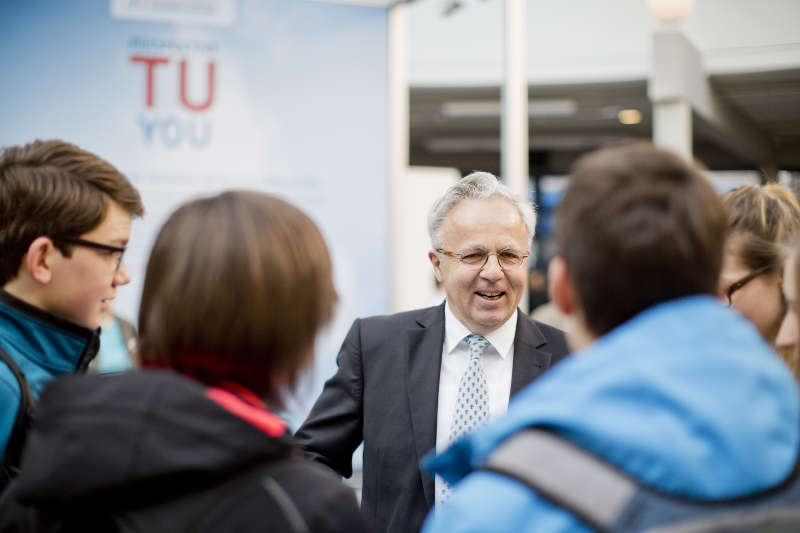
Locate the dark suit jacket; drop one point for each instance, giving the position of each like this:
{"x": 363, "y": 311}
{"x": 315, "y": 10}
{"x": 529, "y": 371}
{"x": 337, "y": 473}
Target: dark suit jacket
{"x": 386, "y": 394}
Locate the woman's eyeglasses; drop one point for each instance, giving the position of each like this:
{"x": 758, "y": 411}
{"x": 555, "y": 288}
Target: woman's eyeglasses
{"x": 738, "y": 284}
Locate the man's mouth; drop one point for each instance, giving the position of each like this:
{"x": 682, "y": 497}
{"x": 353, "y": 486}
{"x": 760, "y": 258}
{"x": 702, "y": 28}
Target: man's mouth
{"x": 490, "y": 295}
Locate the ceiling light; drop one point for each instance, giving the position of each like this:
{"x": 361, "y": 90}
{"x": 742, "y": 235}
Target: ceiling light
{"x": 463, "y": 144}
{"x": 537, "y": 108}
{"x": 471, "y": 108}
{"x": 670, "y": 10}
{"x": 629, "y": 116}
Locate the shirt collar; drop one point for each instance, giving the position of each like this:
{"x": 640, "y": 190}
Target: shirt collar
{"x": 501, "y": 338}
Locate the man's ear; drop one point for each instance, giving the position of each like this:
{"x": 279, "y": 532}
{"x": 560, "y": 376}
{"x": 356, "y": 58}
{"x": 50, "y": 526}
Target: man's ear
{"x": 562, "y": 290}
{"x": 434, "y": 259}
{"x": 39, "y": 258}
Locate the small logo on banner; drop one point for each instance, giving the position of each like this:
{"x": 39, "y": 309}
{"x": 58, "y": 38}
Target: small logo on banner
{"x": 178, "y": 81}
{"x": 211, "y": 12}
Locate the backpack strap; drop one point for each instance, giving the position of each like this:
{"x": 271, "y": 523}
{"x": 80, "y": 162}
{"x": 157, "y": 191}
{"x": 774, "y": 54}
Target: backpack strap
{"x": 607, "y": 499}
{"x": 206, "y": 508}
{"x": 9, "y": 467}
{"x": 565, "y": 474}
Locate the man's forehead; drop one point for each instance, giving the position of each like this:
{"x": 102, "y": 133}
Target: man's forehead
{"x": 495, "y": 210}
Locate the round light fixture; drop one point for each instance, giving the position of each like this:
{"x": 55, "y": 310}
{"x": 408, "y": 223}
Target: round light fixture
{"x": 629, "y": 116}
{"x": 670, "y": 10}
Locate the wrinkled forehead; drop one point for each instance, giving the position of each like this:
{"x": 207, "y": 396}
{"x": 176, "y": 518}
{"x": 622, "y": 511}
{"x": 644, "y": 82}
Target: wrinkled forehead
{"x": 495, "y": 210}
{"x": 490, "y": 224}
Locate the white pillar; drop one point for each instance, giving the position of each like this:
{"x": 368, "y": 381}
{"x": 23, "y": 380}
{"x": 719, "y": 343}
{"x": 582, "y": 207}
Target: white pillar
{"x": 398, "y": 143}
{"x": 679, "y": 89}
{"x": 675, "y": 69}
{"x": 514, "y": 143}
{"x": 672, "y": 126}
{"x": 514, "y": 120}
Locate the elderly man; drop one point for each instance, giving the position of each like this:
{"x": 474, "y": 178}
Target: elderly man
{"x": 65, "y": 219}
{"x": 412, "y": 382}
{"x": 669, "y": 388}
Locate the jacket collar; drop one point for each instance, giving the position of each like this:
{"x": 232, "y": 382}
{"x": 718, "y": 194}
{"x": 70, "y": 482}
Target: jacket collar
{"x": 52, "y": 342}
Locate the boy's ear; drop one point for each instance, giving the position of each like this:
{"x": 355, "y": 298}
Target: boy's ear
{"x": 562, "y": 290}
{"x": 38, "y": 260}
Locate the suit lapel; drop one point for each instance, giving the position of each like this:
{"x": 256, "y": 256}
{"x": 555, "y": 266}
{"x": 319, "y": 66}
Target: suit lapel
{"x": 422, "y": 376}
{"x": 530, "y": 361}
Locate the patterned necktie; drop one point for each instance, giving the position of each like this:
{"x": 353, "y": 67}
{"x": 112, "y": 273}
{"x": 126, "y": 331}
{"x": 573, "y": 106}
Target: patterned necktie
{"x": 472, "y": 402}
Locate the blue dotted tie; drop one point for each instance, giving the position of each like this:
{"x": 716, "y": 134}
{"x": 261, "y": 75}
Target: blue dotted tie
{"x": 472, "y": 402}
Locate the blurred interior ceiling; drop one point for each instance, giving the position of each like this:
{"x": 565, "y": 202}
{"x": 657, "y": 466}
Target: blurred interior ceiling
{"x": 460, "y": 126}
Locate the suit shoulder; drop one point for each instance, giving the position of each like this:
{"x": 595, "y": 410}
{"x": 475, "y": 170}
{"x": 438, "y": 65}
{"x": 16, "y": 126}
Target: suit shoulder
{"x": 556, "y": 338}
{"x": 402, "y": 319}
{"x": 549, "y": 331}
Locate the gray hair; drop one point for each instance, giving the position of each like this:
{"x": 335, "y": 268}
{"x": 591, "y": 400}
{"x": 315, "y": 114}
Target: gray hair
{"x": 475, "y": 186}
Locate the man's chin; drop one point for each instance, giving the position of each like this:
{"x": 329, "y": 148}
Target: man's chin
{"x": 484, "y": 323}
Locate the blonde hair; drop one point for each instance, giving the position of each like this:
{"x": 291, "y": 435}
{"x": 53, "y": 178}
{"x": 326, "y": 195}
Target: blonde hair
{"x": 761, "y": 222}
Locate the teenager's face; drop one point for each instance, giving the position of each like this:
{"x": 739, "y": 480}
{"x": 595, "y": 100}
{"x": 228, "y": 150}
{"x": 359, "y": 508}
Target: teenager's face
{"x": 84, "y": 284}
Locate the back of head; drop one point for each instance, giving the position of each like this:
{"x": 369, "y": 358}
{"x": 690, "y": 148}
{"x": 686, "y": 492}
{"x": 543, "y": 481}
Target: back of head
{"x": 237, "y": 287}
{"x": 53, "y": 188}
{"x": 761, "y": 221}
{"x": 637, "y": 227}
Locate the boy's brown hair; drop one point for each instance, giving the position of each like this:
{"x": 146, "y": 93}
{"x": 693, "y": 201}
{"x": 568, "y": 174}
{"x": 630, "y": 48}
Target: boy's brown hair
{"x": 54, "y": 189}
{"x": 638, "y": 226}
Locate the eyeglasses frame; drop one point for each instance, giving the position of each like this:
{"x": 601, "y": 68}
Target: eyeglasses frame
{"x": 740, "y": 283}
{"x": 77, "y": 241}
{"x": 459, "y": 256}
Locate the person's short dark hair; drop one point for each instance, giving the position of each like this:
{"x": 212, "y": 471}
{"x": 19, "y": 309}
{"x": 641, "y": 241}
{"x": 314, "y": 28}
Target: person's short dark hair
{"x": 638, "y": 226}
{"x": 236, "y": 289}
{"x": 55, "y": 189}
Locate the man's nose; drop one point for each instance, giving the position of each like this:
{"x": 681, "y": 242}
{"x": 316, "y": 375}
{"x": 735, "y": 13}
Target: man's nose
{"x": 491, "y": 269}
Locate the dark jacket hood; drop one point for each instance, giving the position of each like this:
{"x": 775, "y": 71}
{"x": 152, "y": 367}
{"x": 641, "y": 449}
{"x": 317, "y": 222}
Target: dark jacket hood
{"x": 150, "y": 434}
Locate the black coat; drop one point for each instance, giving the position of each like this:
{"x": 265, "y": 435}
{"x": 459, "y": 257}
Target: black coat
{"x": 386, "y": 393}
{"x": 154, "y": 448}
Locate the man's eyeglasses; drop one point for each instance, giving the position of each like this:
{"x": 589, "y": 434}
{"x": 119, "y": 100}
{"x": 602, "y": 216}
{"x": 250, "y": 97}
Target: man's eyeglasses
{"x": 476, "y": 259}
{"x": 97, "y": 246}
{"x": 738, "y": 284}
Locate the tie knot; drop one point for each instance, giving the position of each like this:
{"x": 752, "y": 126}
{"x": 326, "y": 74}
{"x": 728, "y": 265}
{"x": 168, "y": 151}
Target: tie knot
{"x": 476, "y": 344}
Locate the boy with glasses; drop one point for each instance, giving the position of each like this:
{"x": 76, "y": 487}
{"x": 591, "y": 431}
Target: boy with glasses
{"x": 65, "y": 220}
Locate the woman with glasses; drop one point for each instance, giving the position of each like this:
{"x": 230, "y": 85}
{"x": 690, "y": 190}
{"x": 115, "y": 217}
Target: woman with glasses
{"x": 237, "y": 287}
{"x": 761, "y": 221}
